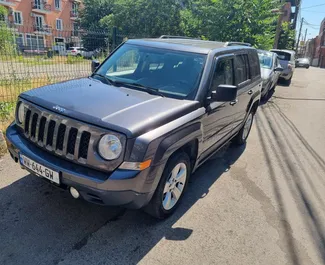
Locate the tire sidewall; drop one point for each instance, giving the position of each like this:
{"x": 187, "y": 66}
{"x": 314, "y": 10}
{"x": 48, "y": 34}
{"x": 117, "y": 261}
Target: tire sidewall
{"x": 156, "y": 204}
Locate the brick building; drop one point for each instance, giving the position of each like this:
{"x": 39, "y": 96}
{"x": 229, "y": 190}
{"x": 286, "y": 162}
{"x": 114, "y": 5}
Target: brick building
{"x": 41, "y": 24}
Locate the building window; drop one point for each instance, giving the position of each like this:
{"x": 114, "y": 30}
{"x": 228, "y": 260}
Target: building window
{"x": 34, "y": 42}
{"x": 39, "y": 22}
{"x": 18, "y": 18}
{"x": 57, "y": 4}
{"x": 75, "y": 8}
{"x": 59, "y": 25}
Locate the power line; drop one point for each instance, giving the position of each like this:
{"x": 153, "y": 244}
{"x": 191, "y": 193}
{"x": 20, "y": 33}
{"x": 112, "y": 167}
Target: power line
{"x": 312, "y": 6}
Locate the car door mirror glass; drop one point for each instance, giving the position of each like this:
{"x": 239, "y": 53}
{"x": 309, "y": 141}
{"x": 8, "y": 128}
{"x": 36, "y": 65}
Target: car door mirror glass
{"x": 224, "y": 93}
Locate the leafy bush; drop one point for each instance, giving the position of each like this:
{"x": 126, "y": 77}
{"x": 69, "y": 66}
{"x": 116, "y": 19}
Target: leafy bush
{"x": 6, "y": 110}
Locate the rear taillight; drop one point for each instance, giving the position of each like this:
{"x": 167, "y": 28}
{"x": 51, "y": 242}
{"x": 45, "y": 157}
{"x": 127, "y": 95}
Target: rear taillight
{"x": 73, "y": 51}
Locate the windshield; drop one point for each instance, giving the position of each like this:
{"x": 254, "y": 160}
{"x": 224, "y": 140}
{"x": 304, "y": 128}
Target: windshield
{"x": 266, "y": 60}
{"x": 285, "y": 56}
{"x": 174, "y": 74}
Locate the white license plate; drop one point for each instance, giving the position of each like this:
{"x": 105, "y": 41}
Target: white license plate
{"x": 39, "y": 169}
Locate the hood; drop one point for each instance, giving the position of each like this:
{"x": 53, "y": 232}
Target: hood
{"x": 121, "y": 109}
{"x": 265, "y": 73}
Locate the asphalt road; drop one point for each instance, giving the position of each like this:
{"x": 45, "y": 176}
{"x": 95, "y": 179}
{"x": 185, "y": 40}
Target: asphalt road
{"x": 260, "y": 204}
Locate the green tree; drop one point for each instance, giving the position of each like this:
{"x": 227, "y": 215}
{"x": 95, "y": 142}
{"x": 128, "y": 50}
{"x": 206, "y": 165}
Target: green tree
{"x": 287, "y": 37}
{"x": 237, "y": 20}
{"x": 7, "y": 39}
{"x": 95, "y": 35}
{"x": 144, "y": 18}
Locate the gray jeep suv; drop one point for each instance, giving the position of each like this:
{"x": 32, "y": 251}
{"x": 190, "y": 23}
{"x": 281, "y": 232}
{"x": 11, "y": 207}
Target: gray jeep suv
{"x": 132, "y": 133}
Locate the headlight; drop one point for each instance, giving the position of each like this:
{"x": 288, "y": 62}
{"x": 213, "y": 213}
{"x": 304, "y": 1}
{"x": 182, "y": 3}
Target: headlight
{"x": 21, "y": 113}
{"x": 109, "y": 147}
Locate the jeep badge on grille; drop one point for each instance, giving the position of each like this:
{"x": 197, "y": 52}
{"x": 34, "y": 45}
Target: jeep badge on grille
{"x": 59, "y": 109}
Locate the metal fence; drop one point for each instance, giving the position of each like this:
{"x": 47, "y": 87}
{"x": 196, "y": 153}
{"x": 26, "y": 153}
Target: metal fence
{"x": 35, "y": 55}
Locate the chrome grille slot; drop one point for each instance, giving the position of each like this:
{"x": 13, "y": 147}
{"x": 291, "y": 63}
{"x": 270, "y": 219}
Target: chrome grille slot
{"x": 34, "y": 124}
{"x": 84, "y": 144}
{"x": 72, "y": 141}
{"x": 27, "y": 120}
{"x": 60, "y": 137}
{"x": 50, "y": 133}
{"x": 41, "y": 129}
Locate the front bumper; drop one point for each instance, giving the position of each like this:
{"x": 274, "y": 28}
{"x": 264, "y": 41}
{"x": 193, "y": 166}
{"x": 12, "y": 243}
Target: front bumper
{"x": 128, "y": 188}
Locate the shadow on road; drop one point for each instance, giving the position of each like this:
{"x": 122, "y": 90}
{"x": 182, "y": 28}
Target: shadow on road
{"x": 293, "y": 153}
{"x": 41, "y": 224}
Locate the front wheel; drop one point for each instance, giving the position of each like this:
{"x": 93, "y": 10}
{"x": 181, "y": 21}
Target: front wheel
{"x": 171, "y": 187}
{"x": 242, "y": 135}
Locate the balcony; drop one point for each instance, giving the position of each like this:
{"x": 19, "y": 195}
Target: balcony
{"x": 7, "y": 3}
{"x": 42, "y": 29}
{"x": 42, "y": 8}
{"x": 74, "y": 15}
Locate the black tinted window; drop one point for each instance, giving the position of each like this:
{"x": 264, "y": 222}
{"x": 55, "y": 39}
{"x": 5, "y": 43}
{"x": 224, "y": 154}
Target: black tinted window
{"x": 242, "y": 68}
{"x": 254, "y": 65}
{"x": 224, "y": 73}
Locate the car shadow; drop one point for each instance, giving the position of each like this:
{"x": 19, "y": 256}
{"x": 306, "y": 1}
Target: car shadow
{"x": 41, "y": 224}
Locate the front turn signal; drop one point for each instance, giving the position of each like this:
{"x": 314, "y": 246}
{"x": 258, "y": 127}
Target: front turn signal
{"x": 136, "y": 165}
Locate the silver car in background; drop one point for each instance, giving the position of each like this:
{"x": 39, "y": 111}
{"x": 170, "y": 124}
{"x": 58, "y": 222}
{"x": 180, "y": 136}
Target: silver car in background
{"x": 287, "y": 61}
{"x": 303, "y": 62}
{"x": 270, "y": 70}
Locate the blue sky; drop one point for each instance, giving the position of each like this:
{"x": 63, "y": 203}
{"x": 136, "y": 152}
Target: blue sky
{"x": 313, "y": 16}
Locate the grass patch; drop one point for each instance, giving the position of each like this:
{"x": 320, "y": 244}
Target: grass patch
{"x": 74, "y": 59}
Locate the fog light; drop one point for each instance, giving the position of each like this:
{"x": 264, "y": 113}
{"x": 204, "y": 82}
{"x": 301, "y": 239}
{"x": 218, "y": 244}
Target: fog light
{"x": 74, "y": 193}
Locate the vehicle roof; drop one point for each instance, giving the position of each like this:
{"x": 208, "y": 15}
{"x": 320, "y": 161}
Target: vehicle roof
{"x": 287, "y": 51}
{"x": 189, "y": 45}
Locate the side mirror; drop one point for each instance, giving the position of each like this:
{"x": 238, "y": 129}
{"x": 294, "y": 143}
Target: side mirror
{"x": 94, "y": 65}
{"x": 224, "y": 93}
{"x": 278, "y": 69}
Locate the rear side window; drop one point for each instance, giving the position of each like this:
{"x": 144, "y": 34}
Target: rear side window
{"x": 224, "y": 73}
{"x": 283, "y": 55}
{"x": 242, "y": 68}
{"x": 254, "y": 65}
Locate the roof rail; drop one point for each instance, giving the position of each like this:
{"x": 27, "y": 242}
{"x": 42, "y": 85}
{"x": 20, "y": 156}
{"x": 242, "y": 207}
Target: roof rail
{"x": 176, "y": 37}
{"x": 234, "y": 43}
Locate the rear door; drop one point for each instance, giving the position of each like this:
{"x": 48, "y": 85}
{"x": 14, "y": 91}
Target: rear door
{"x": 245, "y": 87}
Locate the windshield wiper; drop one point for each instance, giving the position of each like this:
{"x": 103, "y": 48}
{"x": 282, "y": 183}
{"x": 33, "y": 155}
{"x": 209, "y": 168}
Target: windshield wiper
{"x": 110, "y": 81}
{"x": 150, "y": 90}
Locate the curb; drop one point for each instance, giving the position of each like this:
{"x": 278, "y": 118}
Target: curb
{"x": 3, "y": 145}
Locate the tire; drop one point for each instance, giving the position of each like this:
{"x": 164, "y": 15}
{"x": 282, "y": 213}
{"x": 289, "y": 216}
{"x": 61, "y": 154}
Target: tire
{"x": 159, "y": 207}
{"x": 243, "y": 134}
{"x": 307, "y": 67}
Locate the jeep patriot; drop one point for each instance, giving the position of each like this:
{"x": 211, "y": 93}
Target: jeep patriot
{"x": 133, "y": 132}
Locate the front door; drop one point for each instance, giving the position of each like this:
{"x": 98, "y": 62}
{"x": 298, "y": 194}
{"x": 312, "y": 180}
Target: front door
{"x": 218, "y": 121}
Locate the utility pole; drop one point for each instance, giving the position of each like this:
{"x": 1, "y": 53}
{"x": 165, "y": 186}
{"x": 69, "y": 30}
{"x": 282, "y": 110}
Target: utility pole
{"x": 305, "y": 44}
{"x": 305, "y": 35}
{"x": 297, "y": 44}
{"x": 278, "y": 29}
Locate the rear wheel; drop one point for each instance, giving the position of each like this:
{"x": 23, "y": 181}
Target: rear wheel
{"x": 242, "y": 135}
{"x": 171, "y": 187}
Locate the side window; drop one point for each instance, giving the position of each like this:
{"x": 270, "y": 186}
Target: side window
{"x": 242, "y": 68}
{"x": 224, "y": 73}
{"x": 254, "y": 65}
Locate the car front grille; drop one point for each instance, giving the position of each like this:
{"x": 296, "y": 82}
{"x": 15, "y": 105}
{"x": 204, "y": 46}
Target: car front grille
{"x": 68, "y": 138}
{"x": 54, "y": 135}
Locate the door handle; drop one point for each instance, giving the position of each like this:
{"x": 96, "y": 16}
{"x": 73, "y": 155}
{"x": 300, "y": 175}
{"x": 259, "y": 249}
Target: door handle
{"x": 232, "y": 103}
{"x": 250, "y": 92}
